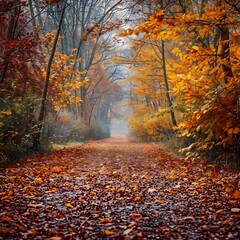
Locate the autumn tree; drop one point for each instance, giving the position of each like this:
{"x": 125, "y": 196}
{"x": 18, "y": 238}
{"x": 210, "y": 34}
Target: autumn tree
{"x": 149, "y": 64}
{"x": 20, "y": 84}
{"x": 80, "y": 26}
{"x": 206, "y": 76}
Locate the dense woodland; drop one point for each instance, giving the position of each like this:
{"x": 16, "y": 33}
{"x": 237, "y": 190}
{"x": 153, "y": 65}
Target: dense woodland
{"x": 65, "y": 65}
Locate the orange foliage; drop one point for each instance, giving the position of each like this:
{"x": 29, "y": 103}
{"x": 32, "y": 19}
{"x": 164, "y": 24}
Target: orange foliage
{"x": 205, "y": 76}
{"x": 64, "y": 79}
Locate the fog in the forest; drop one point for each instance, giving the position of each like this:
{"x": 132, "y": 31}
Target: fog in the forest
{"x": 119, "y": 127}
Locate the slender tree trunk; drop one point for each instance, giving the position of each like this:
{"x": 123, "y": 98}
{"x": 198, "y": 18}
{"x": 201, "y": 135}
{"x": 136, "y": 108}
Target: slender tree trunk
{"x": 225, "y": 48}
{"x": 32, "y": 15}
{"x": 174, "y": 122}
{"x": 225, "y": 53}
{"x": 80, "y": 47}
{"x": 48, "y": 72}
{"x": 39, "y": 18}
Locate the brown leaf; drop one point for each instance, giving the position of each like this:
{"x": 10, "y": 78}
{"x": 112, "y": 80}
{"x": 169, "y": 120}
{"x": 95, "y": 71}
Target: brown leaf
{"x": 55, "y": 238}
{"x": 5, "y": 219}
{"x": 226, "y": 222}
{"x": 5, "y": 230}
{"x": 220, "y": 211}
{"x": 71, "y": 229}
{"x": 215, "y": 175}
{"x": 236, "y": 194}
{"x": 31, "y": 232}
{"x": 7, "y": 197}
{"x": 137, "y": 216}
{"x": 20, "y": 227}
{"x": 227, "y": 190}
{"x": 53, "y": 231}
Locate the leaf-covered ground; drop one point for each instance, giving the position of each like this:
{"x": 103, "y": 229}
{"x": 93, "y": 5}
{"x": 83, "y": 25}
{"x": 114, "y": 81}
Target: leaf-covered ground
{"x": 119, "y": 190}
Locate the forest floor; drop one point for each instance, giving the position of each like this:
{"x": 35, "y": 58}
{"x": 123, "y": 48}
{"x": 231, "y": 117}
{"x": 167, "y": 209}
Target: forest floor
{"x": 117, "y": 189}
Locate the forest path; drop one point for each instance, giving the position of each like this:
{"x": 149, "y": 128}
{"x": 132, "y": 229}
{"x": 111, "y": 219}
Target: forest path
{"x": 118, "y": 189}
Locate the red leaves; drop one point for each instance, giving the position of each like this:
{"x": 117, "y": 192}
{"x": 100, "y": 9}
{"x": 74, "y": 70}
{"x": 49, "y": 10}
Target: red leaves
{"x": 236, "y": 194}
{"x": 117, "y": 190}
{"x": 136, "y": 217}
{"x": 5, "y": 230}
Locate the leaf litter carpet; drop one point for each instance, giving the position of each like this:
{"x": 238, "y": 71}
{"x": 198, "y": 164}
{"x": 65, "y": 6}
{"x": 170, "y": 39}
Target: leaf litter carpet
{"x": 117, "y": 189}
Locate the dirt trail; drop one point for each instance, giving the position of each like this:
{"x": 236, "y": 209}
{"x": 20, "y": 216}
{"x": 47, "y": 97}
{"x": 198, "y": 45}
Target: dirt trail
{"x": 117, "y": 189}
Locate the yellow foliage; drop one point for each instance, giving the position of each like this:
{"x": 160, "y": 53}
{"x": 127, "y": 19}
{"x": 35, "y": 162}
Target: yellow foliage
{"x": 64, "y": 79}
{"x": 150, "y": 126}
{"x": 204, "y": 76}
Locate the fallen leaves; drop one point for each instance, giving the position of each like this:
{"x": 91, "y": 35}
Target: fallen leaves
{"x": 236, "y": 194}
{"x": 105, "y": 220}
{"x": 235, "y": 210}
{"x": 188, "y": 218}
{"x": 134, "y": 187}
{"x": 152, "y": 190}
{"x": 53, "y": 190}
{"x": 220, "y": 211}
{"x": 69, "y": 205}
{"x": 39, "y": 180}
{"x": 57, "y": 169}
{"x": 37, "y": 205}
{"x": 5, "y": 219}
{"x": 126, "y": 232}
{"x": 160, "y": 201}
{"x": 55, "y": 238}
{"x": 137, "y": 199}
{"x": 117, "y": 190}
{"x": 108, "y": 232}
{"x": 137, "y": 216}
{"x": 5, "y": 230}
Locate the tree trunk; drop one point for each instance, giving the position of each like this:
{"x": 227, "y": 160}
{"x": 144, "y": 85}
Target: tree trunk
{"x": 225, "y": 53}
{"x": 174, "y": 122}
{"x": 39, "y": 14}
{"x": 48, "y": 72}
